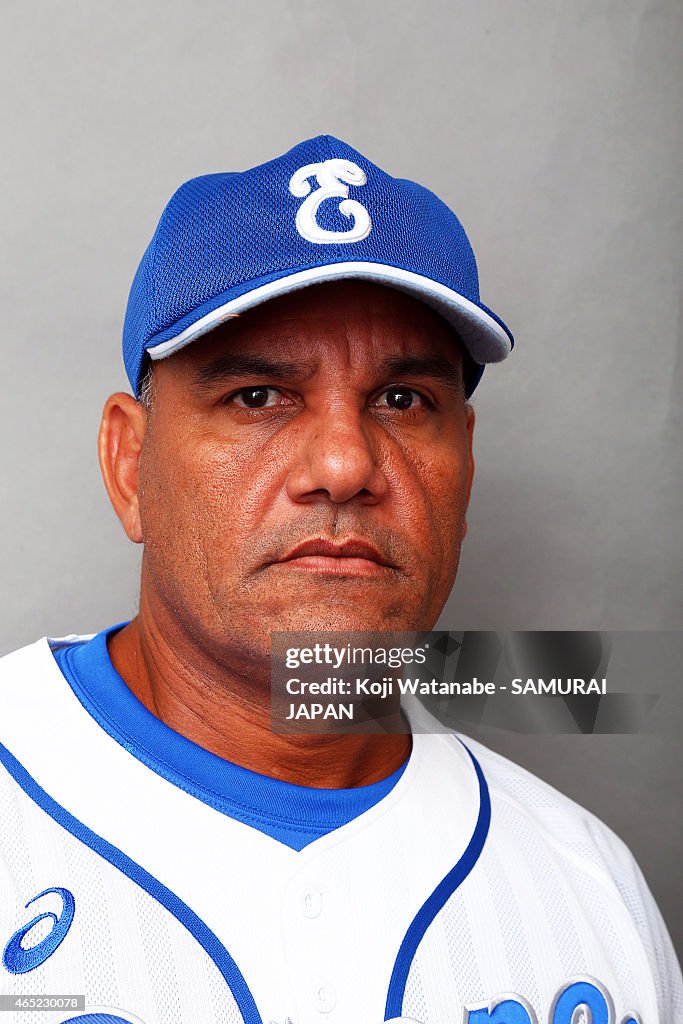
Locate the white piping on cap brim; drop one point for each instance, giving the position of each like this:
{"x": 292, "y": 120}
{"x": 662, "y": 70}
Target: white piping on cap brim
{"x": 484, "y": 338}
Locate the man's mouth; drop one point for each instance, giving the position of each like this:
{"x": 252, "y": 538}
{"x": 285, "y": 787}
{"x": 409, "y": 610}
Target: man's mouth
{"x": 349, "y": 557}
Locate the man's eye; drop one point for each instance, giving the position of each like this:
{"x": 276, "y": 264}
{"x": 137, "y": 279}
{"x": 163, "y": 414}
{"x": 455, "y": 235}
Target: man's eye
{"x": 401, "y": 398}
{"x": 257, "y": 398}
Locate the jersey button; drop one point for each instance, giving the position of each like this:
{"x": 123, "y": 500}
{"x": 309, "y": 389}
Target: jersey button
{"x": 312, "y": 903}
{"x": 325, "y": 998}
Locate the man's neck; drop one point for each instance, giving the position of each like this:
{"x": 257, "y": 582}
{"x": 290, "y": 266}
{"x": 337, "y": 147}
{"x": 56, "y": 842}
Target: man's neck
{"x": 228, "y": 714}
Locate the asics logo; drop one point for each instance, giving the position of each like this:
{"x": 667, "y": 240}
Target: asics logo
{"x": 333, "y": 178}
{"x": 19, "y": 958}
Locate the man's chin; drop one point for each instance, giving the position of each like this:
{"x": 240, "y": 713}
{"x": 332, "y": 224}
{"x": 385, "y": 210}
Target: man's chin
{"x": 340, "y": 617}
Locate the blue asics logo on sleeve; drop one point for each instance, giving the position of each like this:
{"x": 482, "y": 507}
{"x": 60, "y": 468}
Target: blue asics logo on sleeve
{"x": 17, "y": 958}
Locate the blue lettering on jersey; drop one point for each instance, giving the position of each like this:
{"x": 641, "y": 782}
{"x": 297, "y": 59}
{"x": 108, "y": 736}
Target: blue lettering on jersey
{"x": 582, "y": 995}
{"x": 16, "y": 958}
{"x": 504, "y": 1010}
{"x": 578, "y": 999}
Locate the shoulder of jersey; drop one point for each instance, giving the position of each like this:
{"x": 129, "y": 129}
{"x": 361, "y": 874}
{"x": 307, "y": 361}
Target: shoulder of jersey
{"x": 523, "y": 803}
{"x": 573, "y": 831}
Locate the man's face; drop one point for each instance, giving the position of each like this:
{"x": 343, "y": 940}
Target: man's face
{"x": 307, "y": 466}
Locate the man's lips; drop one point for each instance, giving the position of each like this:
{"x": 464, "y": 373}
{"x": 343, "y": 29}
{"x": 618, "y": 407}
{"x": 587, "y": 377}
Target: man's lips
{"x": 349, "y": 557}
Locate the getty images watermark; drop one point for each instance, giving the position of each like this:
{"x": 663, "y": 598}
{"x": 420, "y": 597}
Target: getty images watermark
{"x": 547, "y": 682}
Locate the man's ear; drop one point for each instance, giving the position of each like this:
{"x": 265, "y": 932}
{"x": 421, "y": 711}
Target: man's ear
{"x": 469, "y": 414}
{"x": 122, "y": 432}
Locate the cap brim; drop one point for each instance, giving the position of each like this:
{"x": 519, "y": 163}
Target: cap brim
{"x": 486, "y": 338}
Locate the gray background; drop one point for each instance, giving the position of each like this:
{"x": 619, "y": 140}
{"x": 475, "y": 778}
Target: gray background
{"x": 554, "y": 131}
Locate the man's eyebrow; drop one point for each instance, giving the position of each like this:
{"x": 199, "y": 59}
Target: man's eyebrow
{"x": 423, "y": 366}
{"x": 235, "y": 365}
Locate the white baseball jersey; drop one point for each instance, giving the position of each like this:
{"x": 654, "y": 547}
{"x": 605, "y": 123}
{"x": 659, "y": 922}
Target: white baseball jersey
{"x": 470, "y": 893}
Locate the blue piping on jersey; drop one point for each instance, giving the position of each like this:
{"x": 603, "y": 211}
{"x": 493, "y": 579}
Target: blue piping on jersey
{"x": 209, "y": 942}
{"x": 433, "y": 904}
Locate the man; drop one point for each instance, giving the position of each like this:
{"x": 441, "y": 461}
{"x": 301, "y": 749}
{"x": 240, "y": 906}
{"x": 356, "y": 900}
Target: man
{"x": 302, "y": 339}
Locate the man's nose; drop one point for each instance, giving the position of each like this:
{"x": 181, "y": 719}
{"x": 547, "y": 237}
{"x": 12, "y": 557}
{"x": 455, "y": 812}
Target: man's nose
{"x": 339, "y": 460}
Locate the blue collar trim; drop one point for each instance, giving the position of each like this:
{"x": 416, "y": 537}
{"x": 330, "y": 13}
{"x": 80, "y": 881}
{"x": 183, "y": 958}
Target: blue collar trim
{"x": 295, "y": 815}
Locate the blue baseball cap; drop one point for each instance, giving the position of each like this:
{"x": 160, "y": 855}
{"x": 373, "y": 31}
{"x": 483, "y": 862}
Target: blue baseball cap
{"x": 321, "y": 212}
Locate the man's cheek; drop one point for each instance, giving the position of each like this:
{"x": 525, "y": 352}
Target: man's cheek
{"x": 444, "y": 487}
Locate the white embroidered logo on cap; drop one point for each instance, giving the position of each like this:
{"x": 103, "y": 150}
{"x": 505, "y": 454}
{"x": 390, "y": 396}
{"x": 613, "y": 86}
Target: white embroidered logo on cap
{"x": 333, "y": 178}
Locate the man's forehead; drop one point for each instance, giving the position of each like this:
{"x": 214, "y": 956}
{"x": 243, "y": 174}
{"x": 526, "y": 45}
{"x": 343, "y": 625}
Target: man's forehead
{"x": 351, "y": 321}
